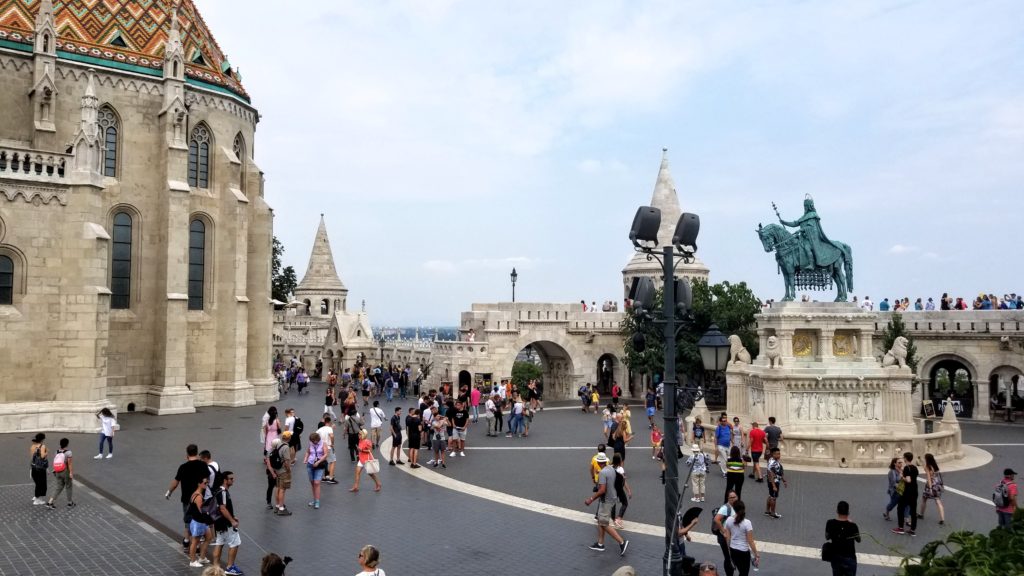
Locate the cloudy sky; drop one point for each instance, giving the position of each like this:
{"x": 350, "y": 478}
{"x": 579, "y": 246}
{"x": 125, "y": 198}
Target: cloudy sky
{"x": 448, "y": 141}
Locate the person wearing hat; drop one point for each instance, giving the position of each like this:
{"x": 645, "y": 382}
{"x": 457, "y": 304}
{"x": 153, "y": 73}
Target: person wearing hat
{"x": 699, "y": 472}
{"x": 605, "y": 483}
{"x": 283, "y": 475}
{"x": 1008, "y": 491}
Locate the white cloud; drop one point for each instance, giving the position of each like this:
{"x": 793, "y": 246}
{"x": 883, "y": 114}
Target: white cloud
{"x": 902, "y": 249}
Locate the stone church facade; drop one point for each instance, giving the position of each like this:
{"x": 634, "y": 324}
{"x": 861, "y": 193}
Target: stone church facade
{"x": 134, "y": 237}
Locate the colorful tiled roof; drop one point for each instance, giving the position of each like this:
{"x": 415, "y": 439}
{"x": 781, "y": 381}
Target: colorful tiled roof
{"x": 130, "y": 34}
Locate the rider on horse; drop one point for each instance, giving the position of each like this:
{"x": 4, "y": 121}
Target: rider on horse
{"x": 817, "y": 249}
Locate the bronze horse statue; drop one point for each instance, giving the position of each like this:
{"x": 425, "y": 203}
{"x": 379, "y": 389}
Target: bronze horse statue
{"x": 807, "y": 264}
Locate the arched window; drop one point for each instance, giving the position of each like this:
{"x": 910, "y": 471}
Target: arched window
{"x": 239, "y": 148}
{"x": 109, "y": 126}
{"x": 324, "y": 307}
{"x": 6, "y": 280}
{"x": 199, "y": 157}
{"x": 121, "y": 263}
{"x": 196, "y": 264}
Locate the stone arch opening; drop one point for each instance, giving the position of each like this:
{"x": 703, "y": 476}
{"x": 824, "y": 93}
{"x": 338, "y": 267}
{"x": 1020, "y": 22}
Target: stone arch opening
{"x": 465, "y": 379}
{"x": 952, "y": 378}
{"x": 556, "y": 368}
{"x": 607, "y": 366}
{"x": 1006, "y": 383}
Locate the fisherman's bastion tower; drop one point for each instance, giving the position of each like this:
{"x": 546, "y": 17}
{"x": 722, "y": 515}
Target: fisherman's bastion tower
{"x": 135, "y": 243}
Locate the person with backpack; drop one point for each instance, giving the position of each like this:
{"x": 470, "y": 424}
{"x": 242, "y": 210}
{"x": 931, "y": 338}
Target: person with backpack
{"x": 605, "y": 484}
{"x": 1005, "y": 498}
{"x": 698, "y": 473}
{"x": 39, "y": 464}
{"x": 280, "y": 461}
{"x": 225, "y": 525}
{"x": 62, "y": 473}
{"x": 188, "y": 476}
{"x": 199, "y": 525}
{"x": 908, "y": 500}
{"x": 622, "y": 491}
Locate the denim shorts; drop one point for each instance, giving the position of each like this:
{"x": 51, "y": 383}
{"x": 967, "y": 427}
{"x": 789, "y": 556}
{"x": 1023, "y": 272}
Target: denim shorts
{"x": 315, "y": 474}
{"x": 197, "y": 529}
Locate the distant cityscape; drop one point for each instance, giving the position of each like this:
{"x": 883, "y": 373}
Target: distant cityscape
{"x": 410, "y": 332}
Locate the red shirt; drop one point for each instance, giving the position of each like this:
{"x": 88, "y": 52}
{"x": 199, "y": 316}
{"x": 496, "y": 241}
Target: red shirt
{"x": 757, "y": 440}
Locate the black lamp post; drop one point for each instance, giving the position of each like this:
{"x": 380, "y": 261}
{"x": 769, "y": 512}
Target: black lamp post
{"x": 381, "y": 342}
{"x": 675, "y": 300}
{"x": 514, "y": 276}
{"x": 714, "y": 355}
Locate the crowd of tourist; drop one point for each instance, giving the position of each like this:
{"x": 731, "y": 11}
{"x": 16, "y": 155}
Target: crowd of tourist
{"x": 1012, "y": 301}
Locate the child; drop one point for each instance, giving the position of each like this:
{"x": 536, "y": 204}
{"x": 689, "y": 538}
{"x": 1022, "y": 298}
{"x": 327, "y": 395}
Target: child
{"x": 595, "y": 400}
{"x": 698, "y": 432}
{"x": 606, "y": 418}
{"x": 655, "y": 441}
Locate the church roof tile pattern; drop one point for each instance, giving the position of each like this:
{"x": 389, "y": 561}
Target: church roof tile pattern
{"x": 125, "y": 34}
{"x": 321, "y": 275}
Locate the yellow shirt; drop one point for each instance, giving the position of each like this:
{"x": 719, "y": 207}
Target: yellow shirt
{"x": 595, "y": 469}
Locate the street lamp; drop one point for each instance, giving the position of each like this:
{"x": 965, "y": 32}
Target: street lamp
{"x": 381, "y": 342}
{"x": 514, "y": 276}
{"x": 676, "y": 299}
{"x": 714, "y": 354}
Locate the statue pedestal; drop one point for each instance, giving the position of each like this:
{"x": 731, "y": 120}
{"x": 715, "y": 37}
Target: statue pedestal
{"x": 836, "y": 404}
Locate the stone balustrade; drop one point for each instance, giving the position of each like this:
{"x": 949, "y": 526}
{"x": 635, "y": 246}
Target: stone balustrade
{"x": 33, "y": 165}
{"x": 956, "y": 321}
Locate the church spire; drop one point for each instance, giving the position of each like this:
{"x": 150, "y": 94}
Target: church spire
{"x": 321, "y": 275}
{"x": 666, "y": 200}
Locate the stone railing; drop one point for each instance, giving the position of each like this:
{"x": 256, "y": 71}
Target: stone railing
{"x": 995, "y": 322}
{"x": 33, "y": 165}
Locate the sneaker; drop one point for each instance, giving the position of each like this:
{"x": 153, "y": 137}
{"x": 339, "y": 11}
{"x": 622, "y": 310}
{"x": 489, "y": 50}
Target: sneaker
{"x": 316, "y": 506}
{"x": 111, "y": 455}
{"x": 204, "y": 560}
{"x": 598, "y": 547}
{"x": 38, "y": 502}
{"x": 443, "y": 466}
{"x": 415, "y": 466}
{"x": 767, "y": 513}
{"x": 195, "y": 564}
{"x": 331, "y": 480}
{"x": 751, "y": 475}
{"x": 184, "y": 544}
{"x": 435, "y": 464}
{"x": 431, "y": 462}
{"x": 270, "y": 506}
{"x": 400, "y": 462}
{"x": 98, "y": 457}
{"x": 463, "y": 454}
{"x": 51, "y": 506}
{"x": 391, "y": 463}
{"x": 234, "y": 571}
{"x": 283, "y": 512}
{"x": 776, "y": 515}
{"x": 911, "y": 533}
{"x": 311, "y": 503}
{"x": 701, "y": 498}
{"x": 623, "y": 546}
{"x": 451, "y": 454}
{"x": 897, "y": 531}
{"x": 886, "y": 516}
{"x": 694, "y": 499}
{"x": 72, "y": 504}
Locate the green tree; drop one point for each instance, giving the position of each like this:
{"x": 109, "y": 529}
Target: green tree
{"x": 652, "y": 359}
{"x": 523, "y": 372}
{"x": 282, "y": 281}
{"x": 894, "y": 330}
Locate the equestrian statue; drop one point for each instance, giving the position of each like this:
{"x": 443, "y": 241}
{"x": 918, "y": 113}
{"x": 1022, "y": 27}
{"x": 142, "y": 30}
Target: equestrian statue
{"x": 807, "y": 259}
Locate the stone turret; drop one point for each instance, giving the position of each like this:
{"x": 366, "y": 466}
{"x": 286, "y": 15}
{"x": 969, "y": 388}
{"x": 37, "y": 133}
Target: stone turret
{"x": 666, "y": 199}
{"x": 321, "y": 290}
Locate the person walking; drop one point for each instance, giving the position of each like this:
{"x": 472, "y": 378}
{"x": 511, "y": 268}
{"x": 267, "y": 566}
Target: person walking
{"x": 396, "y": 438}
{"x": 63, "y": 473}
{"x": 369, "y": 561}
{"x": 757, "y": 440}
{"x": 698, "y": 432}
{"x": 271, "y": 429}
{"x": 1005, "y": 498}
{"x": 894, "y": 490}
{"x": 39, "y": 464}
{"x": 376, "y": 422}
{"x": 330, "y": 400}
{"x": 199, "y": 525}
{"x": 225, "y": 525}
{"x": 740, "y": 533}
{"x": 724, "y": 513}
{"x": 605, "y": 483}
{"x": 107, "y": 426}
{"x": 650, "y": 406}
{"x": 933, "y": 487}
{"x": 772, "y": 433}
{"x": 489, "y": 411}
{"x": 353, "y": 424}
{"x": 622, "y": 491}
{"x": 326, "y": 432}
{"x": 908, "y": 500}
{"x": 699, "y": 472}
{"x": 776, "y": 480}
{"x": 366, "y": 462}
{"x": 841, "y": 534}
{"x": 316, "y": 463}
{"x": 460, "y": 418}
{"x": 735, "y": 467}
{"x": 723, "y": 440}
{"x": 474, "y": 403}
{"x": 189, "y": 473}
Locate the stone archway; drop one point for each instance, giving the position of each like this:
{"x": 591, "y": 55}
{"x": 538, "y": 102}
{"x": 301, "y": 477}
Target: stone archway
{"x": 1005, "y": 382}
{"x": 558, "y": 378}
{"x": 954, "y": 377}
{"x": 465, "y": 379}
{"x": 605, "y": 373}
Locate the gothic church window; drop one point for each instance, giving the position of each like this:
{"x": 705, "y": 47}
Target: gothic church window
{"x": 6, "y": 280}
{"x": 109, "y": 126}
{"x": 199, "y": 156}
{"x": 196, "y": 264}
{"x": 324, "y": 307}
{"x": 121, "y": 263}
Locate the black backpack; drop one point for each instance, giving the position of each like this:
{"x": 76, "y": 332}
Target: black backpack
{"x": 276, "y": 461}
{"x": 298, "y": 427}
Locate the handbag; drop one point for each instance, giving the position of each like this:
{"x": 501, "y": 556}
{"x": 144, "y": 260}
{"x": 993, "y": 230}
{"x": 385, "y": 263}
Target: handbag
{"x": 827, "y": 553}
{"x": 372, "y": 466}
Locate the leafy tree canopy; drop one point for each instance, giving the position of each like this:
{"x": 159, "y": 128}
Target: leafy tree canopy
{"x": 523, "y": 372}
{"x": 999, "y": 552}
{"x": 282, "y": 281}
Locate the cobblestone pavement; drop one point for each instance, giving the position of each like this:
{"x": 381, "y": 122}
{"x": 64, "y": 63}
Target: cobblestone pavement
{"x": 418, "y": 524}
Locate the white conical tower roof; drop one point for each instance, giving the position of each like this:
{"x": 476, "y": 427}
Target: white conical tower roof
{"x": 321, "y": 275}
{"x": 665, "y": 199}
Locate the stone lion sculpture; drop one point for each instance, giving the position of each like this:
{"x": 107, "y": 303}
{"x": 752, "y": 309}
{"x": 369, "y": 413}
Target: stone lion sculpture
{"x": 897, "y": 355}
{"x": 772, "y": 352}
{"x": 737, "y": 353}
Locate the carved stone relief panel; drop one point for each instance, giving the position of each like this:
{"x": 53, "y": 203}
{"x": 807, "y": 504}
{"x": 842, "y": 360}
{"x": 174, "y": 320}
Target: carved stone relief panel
{"x": 804, "y": 343}
{"x": 844, "y": 344}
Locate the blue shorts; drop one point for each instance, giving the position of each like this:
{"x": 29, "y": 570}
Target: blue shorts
{"x": 197, "y": 529}
{"x": 650, "y": 411}
{"x": 315, "y": 474}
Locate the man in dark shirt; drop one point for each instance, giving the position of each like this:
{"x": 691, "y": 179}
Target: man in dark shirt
{"x": 841, "y": 533}
{"x": 396, "y": 438}
{"x": 460, "y": 423}
{"x": 189, "y": 474}
{"x": 772, "y": 433}
{"x": 908, "y": 501}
